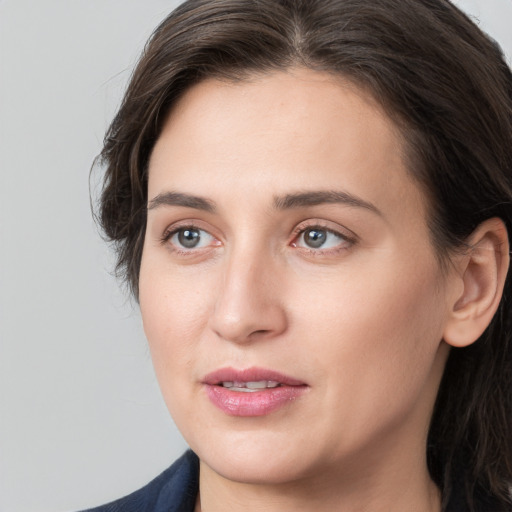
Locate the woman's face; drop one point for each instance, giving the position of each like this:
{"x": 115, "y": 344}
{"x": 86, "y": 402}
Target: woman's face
{"x": 289, "y": 290}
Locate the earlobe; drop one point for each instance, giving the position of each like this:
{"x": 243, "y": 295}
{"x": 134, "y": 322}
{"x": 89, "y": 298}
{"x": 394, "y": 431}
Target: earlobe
{"x": 482, "y": 272}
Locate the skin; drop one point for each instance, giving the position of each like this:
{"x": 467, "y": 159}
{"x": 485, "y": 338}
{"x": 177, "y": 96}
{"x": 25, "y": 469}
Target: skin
{"x": 359, "y": 320}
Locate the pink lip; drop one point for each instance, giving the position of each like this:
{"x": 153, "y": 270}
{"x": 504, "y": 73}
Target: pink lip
{"x": 256, "y": 403}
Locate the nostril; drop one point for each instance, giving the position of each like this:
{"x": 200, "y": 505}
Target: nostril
{"x": 261, "y": 331}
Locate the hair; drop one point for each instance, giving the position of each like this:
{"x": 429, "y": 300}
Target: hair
{"x": 449, "y": 90}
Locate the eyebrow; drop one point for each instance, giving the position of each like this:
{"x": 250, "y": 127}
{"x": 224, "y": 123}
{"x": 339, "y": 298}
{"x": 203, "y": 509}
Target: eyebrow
{"x": 313, "y": 198}
{"x": 180, "y": 199}
{"x": 286, "y": 202}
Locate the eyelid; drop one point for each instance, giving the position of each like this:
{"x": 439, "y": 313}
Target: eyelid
{"x": 348, "y": 236}
{"x": 192, "y": 224}
{"x": 330, "y": 226}
{"x": 186, "y": 223}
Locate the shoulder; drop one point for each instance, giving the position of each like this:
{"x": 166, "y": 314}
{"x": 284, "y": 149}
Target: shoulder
{"x": 175, "y": 490}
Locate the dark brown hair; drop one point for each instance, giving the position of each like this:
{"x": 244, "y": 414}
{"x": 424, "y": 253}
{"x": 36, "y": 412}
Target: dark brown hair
{"x": 447, "y": 87}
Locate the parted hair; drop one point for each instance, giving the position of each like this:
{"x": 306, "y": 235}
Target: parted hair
{"x": 447, "y": 87}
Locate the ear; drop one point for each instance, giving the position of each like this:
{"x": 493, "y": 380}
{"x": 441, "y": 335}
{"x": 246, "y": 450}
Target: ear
{"x": 481, "y": 274}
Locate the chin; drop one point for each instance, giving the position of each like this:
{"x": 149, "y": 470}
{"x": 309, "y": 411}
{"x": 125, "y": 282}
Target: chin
{"x": 253, "y": 469}
{"x": 257, "y": 457}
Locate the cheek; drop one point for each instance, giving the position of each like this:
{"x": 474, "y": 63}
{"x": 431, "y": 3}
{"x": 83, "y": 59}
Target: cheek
{"x": 374, "y": 303}
{"x": 379, "y": 335}
{"x": 174, "y": 310}
{"x": 172, "y": 317}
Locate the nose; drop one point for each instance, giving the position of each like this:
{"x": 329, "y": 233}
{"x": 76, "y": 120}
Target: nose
{"x": 249, "y": 303}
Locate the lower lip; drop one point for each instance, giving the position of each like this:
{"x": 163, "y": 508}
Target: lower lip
{"x": 255, "y": 403}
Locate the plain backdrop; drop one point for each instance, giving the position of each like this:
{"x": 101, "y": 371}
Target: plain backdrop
{"x": 81, "y": 417}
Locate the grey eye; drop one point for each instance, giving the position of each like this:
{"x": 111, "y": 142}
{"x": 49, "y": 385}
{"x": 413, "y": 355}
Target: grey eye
{"x": 189, "y": 238}
{"x": 315, "y": 238}
{"x": 321, "y": 238}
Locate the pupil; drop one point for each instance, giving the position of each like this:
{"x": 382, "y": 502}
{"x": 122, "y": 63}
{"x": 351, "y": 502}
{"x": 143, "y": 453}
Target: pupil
{"x": 189, "y": 238}
{"x": 315, "y": 238}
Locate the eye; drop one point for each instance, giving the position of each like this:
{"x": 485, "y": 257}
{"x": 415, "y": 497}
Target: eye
{"x": 188, "y": 238}
{"x": 318, "y": 238}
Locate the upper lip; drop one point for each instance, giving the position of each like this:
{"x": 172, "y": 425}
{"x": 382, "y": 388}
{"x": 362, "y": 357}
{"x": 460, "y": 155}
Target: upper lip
{"x": 249, "y": 375}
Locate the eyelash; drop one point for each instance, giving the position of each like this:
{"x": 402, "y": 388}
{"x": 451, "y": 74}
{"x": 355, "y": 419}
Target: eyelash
{"x": 346, "y": 240}
{"x": 170, "y": 233}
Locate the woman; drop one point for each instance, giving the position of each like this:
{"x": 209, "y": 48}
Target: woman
{"x": 311, "y": 201}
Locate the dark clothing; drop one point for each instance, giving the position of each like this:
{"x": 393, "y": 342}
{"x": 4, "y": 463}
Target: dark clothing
{"x": 175, "y": 490}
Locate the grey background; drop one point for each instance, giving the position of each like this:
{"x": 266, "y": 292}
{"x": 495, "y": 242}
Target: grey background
{"x": 81, "y": 418}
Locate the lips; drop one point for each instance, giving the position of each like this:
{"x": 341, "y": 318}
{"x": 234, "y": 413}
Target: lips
{"x": 251, "y": 392}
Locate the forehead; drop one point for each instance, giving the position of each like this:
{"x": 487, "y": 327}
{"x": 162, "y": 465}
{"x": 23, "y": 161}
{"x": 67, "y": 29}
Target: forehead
{"x": 298, "y": 104}
{"x": 296, "y": 129}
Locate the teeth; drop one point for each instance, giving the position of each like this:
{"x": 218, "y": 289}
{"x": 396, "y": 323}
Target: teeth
{"x": 247, "y": 387}
{"x": 262, "y": 384}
